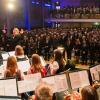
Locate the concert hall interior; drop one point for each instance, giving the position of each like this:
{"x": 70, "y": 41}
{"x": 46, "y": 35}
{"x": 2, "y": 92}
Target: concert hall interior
{"x": 49, "y": 49}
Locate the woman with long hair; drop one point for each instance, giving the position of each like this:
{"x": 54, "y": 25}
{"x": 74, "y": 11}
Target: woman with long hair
{"x": 58, "y": 63}
{"x": 12, "y": 69}
{"x": 37, "y": 66}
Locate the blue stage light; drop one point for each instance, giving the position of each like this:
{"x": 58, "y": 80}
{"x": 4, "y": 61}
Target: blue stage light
{"x": 47, "y": 5}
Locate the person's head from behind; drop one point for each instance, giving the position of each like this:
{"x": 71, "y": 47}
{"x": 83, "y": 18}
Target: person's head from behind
{"x": 19, "y": 50}
{"x": 58, "y": 55}
{"x": 36, "y": 59}
{"x": 12, "y": 64}
{"x": 89, "y": 93}
{"x": 43, "y": 92}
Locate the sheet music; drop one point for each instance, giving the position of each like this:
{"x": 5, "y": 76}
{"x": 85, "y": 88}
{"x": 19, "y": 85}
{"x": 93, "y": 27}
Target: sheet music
{"x": 2, "y": 88}
{"x": 1, "y": 69}
{"x": 5, "y": 56}
{"x": 51, "y": 82}
{"x": 29, "y": 83}
{"x": 61, "y": 82}
{"x": 8, "y": 87}
{"x": 4, "y": 64}
{"x": 98, "y": 67}
{"x": 9, "y": 99}
{"x": 94, "y": 73}
{"x": 22, "y": 86}
{"x": 12, "y": 53}
{"x": 75, "y": 80}
{"x": 32, "y": 76}
{"x": 58, "y": 82}
{"x": 84, "y": 78}
{"x": 24, "y": 65}
{"x": 79, "y": 79}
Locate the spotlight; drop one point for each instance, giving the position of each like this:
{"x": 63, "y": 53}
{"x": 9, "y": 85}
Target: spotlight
{"x": 10, "y": 6}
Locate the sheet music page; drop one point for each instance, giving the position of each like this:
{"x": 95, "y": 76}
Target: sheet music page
{"x": 61, "y": 82}
{"x": 5, "y": 56}
{"x": 22, "y": 85}
{"x": 2, "y": 89}
{"x": 12, "y": 53}
{"x": 94, "y": 73}
{"x": 75, "y": 80}
{"x": 42, "y": 61}
{"x": 84, "y": 78}
{"x": 9, "y": 99}
{"x": 26, "y": 86}
{"x": 4, "y": 64}
{"x": 1, "y": 69}
{"x": 29, "y": 83}
{"x": 51, "y": 82}
{"x": 98, "y": 67}
{"x": 10, "y": 87}
{"x": 36, "y": 76}
{"x": 24, "y": 65}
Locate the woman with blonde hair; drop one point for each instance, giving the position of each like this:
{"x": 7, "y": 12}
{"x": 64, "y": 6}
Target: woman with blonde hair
{"x": 12, "y": 69}
{"x": 37, "y": 66}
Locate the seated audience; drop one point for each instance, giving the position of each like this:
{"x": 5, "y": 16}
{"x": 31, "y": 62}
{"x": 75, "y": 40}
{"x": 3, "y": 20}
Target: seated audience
{"x": 43, "y": 92}
{"x": 37, "y": 66}
{"x": 12, "y": 69}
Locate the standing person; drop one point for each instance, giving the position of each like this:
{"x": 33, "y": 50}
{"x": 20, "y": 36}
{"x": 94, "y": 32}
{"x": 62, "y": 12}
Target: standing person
{"x": 84, "y": 51}
{"x": 16, "y": 37}
{"x": 36, "y": 66}
{"x": 68, "y": 48}
{"x": 77, "y": 48}
{"x": 12, "y": 69}
{"x": 92, "y": 52}
{"x": 13, "y": 40}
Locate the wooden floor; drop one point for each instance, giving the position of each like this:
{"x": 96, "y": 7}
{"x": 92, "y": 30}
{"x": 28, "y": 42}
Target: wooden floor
{"x": 82, "y": 66}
